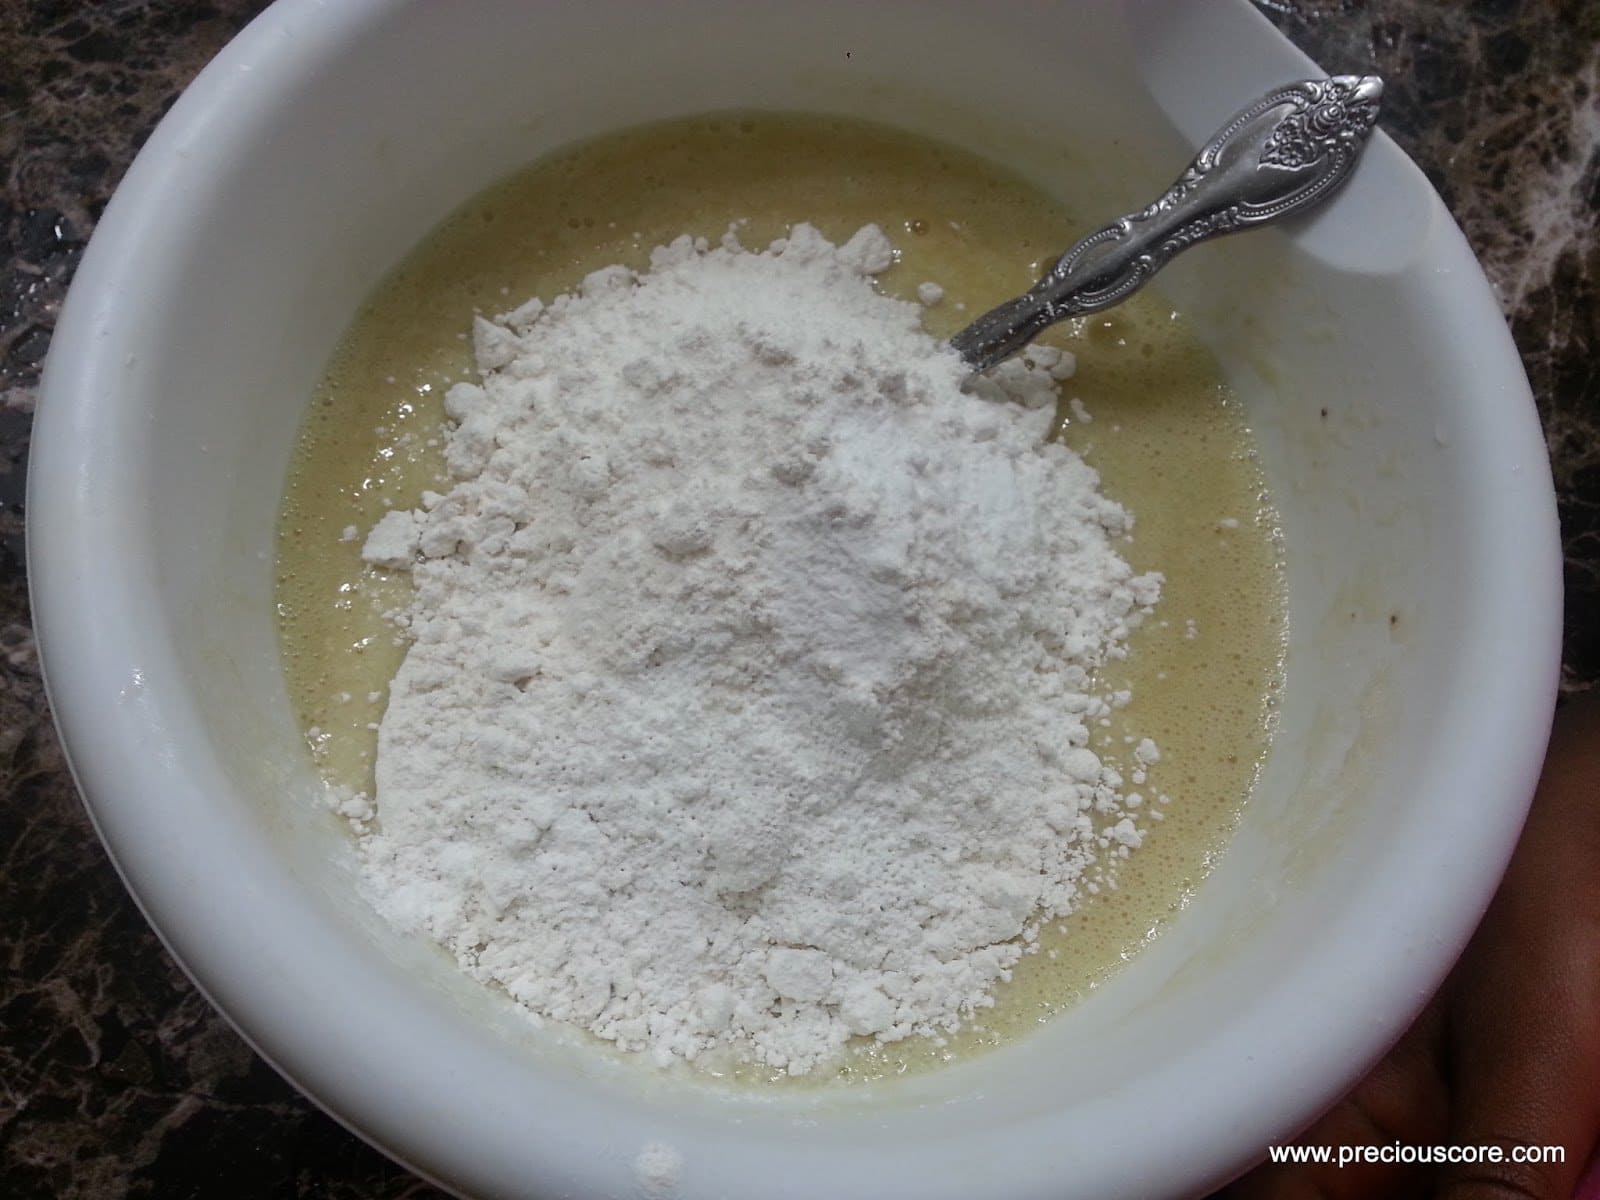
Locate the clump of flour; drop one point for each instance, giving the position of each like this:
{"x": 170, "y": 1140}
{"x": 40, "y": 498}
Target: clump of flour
{"x": 750, "y": 689}
{"x": 656, "y": 1169}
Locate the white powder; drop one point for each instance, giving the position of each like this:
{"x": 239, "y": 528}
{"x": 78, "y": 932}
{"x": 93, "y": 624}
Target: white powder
{"x": 656, "y": 1169}
{"x": 749, "y": 696}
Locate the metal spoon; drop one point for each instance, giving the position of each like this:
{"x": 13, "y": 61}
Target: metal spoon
{"x": 1282, "y": 155}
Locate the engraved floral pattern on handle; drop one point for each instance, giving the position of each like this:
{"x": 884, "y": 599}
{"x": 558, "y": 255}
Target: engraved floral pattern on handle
{"x": 1282, "y": 154}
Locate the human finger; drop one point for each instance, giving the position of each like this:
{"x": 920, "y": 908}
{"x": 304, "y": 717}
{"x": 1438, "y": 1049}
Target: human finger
{"x": 1403, "y": 1099}
{"x": 1525, "y": 1021}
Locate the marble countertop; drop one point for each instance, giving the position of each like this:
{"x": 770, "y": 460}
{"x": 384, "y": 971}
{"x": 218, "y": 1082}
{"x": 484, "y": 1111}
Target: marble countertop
{"x": 116, "y": 1077}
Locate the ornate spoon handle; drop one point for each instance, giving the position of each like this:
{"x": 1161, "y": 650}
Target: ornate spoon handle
{"x": 1283, "y": 154}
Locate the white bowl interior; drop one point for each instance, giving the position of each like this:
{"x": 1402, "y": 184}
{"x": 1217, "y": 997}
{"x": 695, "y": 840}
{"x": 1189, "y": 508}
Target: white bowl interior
{"x": 1396, "y": 431}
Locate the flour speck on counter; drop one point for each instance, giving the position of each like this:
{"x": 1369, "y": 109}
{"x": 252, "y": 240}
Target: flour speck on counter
{"x": 753, "y": 662}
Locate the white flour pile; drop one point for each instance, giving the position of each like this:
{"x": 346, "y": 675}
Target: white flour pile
{"x": 750, "y": 692}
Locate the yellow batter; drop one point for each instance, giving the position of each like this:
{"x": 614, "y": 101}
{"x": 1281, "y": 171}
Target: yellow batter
{"x": 1169, "y": 443}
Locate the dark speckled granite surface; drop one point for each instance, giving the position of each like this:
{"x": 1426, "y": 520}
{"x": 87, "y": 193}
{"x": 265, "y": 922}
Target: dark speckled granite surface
{"x": 116, "y": 1078}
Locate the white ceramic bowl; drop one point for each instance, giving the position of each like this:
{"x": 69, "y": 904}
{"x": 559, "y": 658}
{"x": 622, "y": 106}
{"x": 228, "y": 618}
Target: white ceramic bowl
{"x": 1397, "y": 432}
